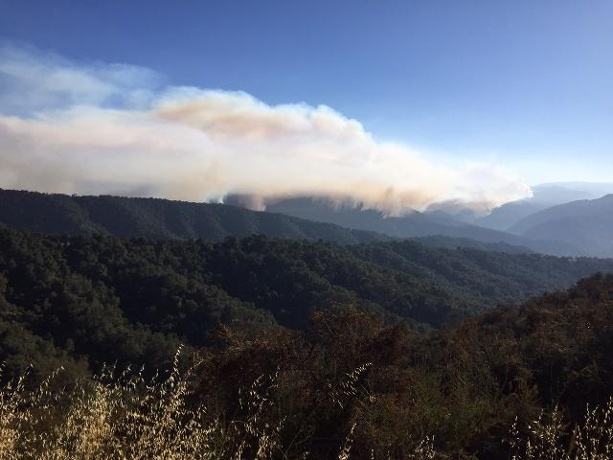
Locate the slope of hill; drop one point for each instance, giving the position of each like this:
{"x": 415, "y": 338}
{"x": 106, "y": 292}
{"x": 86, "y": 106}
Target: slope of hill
{"x": 105, "y": 299}
{"x": 544, "y": 196}
{"x": 587, "y": 224}
{"x": 348, "y": 374}
{"x": 464, "y": 386}
{"x": 413, "y": 225}
{"x": 507, "y": 215}
{"x": 56, "y": 214}
{"x": 440, "y": 241}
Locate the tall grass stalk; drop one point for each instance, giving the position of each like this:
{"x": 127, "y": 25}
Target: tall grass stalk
{"x": 550, "y": 438}
{"x": 122, "y": 415}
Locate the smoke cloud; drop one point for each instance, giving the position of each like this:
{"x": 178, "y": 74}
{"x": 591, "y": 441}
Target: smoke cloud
{"x": 91, "y": 128}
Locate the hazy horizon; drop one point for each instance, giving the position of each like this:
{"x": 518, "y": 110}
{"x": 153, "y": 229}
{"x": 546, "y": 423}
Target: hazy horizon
{"x": 399, "y": 106}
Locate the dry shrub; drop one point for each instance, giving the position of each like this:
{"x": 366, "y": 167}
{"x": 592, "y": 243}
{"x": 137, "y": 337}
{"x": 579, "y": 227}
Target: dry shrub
{"x": 124, "y": 416}
{"x": 112, "y": 416}
{"x": 550, "y": 438}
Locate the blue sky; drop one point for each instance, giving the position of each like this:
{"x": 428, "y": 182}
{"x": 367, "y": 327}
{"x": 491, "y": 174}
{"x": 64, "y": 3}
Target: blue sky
{"x": 524, "y": 86}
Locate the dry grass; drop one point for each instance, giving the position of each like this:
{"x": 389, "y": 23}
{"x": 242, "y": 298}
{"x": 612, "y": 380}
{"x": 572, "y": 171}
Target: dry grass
{"x": 549, "y": 437}
{"x": 114, "y": 416}
{"x": 125, "y": 416}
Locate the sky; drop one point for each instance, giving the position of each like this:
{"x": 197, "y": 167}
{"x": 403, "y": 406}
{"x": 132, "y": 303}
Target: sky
{"x": 396, "y": 104}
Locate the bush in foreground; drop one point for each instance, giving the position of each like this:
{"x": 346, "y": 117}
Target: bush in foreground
{"x": 126, "y": 417}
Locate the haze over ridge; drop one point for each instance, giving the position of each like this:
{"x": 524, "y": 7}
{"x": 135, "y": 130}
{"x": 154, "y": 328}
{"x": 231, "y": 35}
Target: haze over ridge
{"x": 93, "y": 127}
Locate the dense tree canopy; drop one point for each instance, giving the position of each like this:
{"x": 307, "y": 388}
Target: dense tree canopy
{"x": 393, "y": 341}
{"x": 99, "y": 299}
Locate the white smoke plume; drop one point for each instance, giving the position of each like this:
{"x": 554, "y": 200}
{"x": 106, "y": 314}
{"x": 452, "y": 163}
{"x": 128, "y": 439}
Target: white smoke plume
{"x": 96, "y": 128}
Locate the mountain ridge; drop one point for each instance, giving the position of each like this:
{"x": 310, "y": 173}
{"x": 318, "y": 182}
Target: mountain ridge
{"x": 58, "y": 214}
{"x": 413, "y": 225}
{"x": 587, "y": 224}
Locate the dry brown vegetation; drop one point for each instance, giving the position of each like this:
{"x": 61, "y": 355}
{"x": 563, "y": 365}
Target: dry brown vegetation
{"x": 511, "y": 384}
{"x": 550, "y": 438}
{"x": 126, "y": 417}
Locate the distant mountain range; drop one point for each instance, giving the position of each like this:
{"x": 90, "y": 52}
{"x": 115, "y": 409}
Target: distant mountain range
{"x": 413, "y": 225}
{"x": 587, "y": 224}
{"x": 544, "y": 196}
{"x": 56, "y": 214}
{"x": 578, "y": 228}
{"x": 561, "y": 219}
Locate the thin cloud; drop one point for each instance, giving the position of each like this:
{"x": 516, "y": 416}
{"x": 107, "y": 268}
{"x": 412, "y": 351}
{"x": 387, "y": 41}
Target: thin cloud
{"x": 95, "y": 128}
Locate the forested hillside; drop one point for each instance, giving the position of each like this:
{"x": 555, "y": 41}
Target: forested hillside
{"x": 90, "y": 300}
{"x": 585, "y": 223}
{"x": 416, "y": 224}
{"x": 463, "y": 389}
{"x": 513, "y": 383}
{"x": 56, "y": 214}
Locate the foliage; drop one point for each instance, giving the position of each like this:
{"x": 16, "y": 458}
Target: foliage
{"x": 127, "y": 416}
{"x": 351, "y": 384}
{"x": 56, "y": 214}
{"x": 464, "y": 387}
{"x": 549, "y": 438}
{"x": 303, "y": 349}
{"x": 83, "y": 301}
